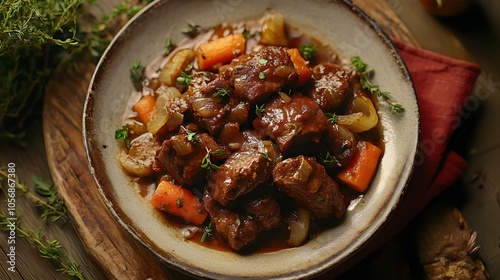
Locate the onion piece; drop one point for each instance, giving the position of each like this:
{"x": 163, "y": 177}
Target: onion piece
{"x": 167, "y": 103}
{"x": 364, "y": 118}
{"x": 273, "y": 31}
{"x": 299, "y": 227}
{"x": 172, "y": 70}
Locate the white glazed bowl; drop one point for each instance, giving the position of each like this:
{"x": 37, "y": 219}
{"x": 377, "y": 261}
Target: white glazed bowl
{"x": 337, "y": 23}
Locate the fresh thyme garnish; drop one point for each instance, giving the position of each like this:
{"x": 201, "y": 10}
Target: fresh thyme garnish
{"x": 168, "y": 46}
{"x": 137, "y": 74}
{"x": 259, "y": 110}
{"x": 48, "y": 249}
{"x": 266, "y": 156}
{"x": 307, "y": 51}
{"x": 184, "y": 78}
{"x": 365, "y": 76}
{"x": 207, "y": 232}
{"x": 207, "y": 164}
{"x": 219, "y": 152}
{"x": 191, "y": 135}
{"x": 122, "y": 134}
{"x": 262, "y": 61}
{"x": 262, "y": 76}
{"x": 191, "y": 30}
{"x": 332, "y": 118}
{"x": 221, "y": 93}
{"x": 329, "y": 158}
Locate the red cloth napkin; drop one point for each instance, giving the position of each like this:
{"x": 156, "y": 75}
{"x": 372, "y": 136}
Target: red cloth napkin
{"x": 442, "y": 85}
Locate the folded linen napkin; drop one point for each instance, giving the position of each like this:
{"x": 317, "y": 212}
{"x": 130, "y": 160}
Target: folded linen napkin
{"x": 442, "y": 85}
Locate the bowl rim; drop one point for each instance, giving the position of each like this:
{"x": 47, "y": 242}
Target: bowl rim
{"x": 122, "y": 219}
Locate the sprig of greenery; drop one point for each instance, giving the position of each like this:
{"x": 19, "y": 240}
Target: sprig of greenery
{"x": 207, "y": 232}
{"x": 184, "y": 78}
{"x": 365, "y": 75}
{"x": 53, "y": 206}
{"x": 191, "y": 136}
{"x": 221, "y": 93}
{"x": 122, "y": 134}
{"x": 137, "y": 74}
{"x": 207, "y": 164}
{"x": 48, "y": 249}
{"x": 332, "y": 118}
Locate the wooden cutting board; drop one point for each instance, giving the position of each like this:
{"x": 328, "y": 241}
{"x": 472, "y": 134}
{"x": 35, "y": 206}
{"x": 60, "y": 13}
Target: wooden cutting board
{"x": 119, "y": 255}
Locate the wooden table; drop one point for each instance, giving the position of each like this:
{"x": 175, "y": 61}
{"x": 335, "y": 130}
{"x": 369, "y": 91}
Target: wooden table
{"x": 55, "y": 150}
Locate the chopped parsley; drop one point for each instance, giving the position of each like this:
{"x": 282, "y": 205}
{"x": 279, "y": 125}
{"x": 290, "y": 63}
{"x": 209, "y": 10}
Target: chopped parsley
{"x": 308, "y": 51}
{"x": 168, "y": 46}
{"x": 262, "y": 76}
{"x": 184, "y": 78}
{"x": 332, "y": 118}
{"x": 207, "y": 164}
{"x": 329, "y": 158}
{"x": 207, "y": 232}
{"x": 191, "y": 136}
{"x": 122, "y": 134}
{"x": 259, "y": 110}
{"x": 221, "y": 93}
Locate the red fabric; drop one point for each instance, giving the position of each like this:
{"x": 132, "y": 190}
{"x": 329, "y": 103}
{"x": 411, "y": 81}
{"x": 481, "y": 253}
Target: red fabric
{"x": 442, "y": 85}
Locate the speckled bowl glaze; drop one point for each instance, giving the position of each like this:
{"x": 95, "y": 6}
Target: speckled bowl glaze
{"x": 337, "y": 23}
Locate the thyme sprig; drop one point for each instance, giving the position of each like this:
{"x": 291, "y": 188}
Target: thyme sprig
{"x": 52, "y": 206}
{"x": 365, "y": 75}
{"x": 48, "y": 249}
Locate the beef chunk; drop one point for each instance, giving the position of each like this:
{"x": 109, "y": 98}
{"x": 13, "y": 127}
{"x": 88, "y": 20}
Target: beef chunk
{"x": 307, "y": 182}
{"x": 264, "y": 209}
{"x": 243, "y": 171}
{"x": 255, "y": 76}
{"x": 238, "y": 230}
{"x": 181, "y": 157}
{"x": 330, "y": 84}
{"x": 296, "y": 124}
{"x": 214, "y": 104}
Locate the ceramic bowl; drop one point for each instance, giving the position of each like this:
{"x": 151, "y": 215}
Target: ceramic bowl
{"x": 337, "y": 23}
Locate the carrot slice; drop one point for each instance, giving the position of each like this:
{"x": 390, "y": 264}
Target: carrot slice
{"x": 301, "y": 65}
{"x": 220, "y": 51}
{"x": 144, "y": 108}
{"x": 180, "y": 202}
{"x": 360, "y": 171}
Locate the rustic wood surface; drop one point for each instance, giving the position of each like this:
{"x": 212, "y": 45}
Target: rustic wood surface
{"x": 93, "y": 238}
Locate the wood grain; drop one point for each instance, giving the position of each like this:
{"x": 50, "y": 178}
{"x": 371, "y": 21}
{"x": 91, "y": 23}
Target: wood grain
{"x": 118, "y": 254}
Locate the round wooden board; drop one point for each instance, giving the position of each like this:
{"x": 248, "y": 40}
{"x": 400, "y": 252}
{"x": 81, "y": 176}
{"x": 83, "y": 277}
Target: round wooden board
{"x": 118, "y": 253}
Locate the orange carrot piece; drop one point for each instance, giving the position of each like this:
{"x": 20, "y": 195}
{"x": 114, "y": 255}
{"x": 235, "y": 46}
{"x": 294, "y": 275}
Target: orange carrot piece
{"x": 220, "y": 51}
{"x": 179, "y": 201}
{"x": 144, "y": 108}
{"x": 360, "y": 171}
{"x": 301, "y": 65}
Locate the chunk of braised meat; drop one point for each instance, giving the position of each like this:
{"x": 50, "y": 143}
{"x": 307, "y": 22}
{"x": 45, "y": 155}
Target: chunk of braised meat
{"x": 330, "y": 84}
{"x": 306, "y": 181}
{"x": 264, "y": 209}
{"x": 214, "y": 104}
{"x": 231, "y": 136}
{"x": 255, "y": 76}
{"x": 297, "y": 124}
{"x": 238, "y": 230}
{"x": 243, "y": 170}
{"x": 341, "y": 146}
{"x": 181, "y": 156}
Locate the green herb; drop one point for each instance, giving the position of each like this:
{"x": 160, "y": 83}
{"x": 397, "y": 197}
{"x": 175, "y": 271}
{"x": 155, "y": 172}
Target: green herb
{"x": 219, "y": 152}
{"x": 48, "y": 249}
{"x": 191, "y": 30}
{"x": 262, "y": 76}
{"x": 168, "y": 46}
{"x": 307, "y": 51}
{"x": 179, "y": 202}
{"x": 207, "y": 164}
{"x": 207, "y": 232}
{"x": 329, "y": 158}
{"x": 184, "y": 78}
{"x": 332, "y": 118}
{"x": 365, "y": 75}
{"x": 262, "y": 61}
{"x": 53, "y": 206}
{"x": 266, "y": 156}
{"x": 221, "y": 93}
{"x": 122, "y": 134}
{"x": 191, "y": 135}
{"x": 137, "y": 74}
{"x": 259, "y": 110}
{"x": 48, "y": 190}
